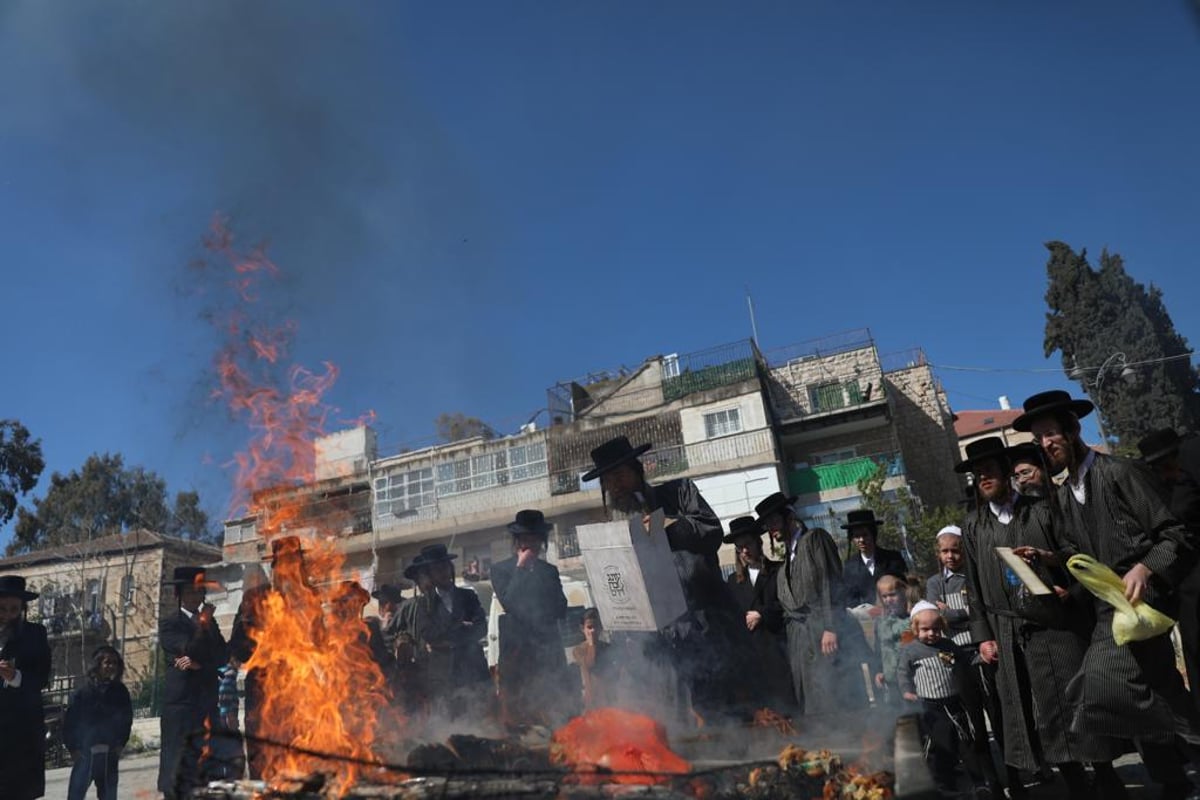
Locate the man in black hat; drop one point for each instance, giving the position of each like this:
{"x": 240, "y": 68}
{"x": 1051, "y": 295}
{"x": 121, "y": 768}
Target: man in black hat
{"x": 1161, "y": 450}
{"x": 1028, "y": 662}
{"x": 704, "y": 641}
{"x": 868, "y": 562}
{"x": 753, "y": 587}
{"x": 448, "y": 627}
{"x": 825, "y": 646}
{"x": 532, "y": 661}
{"x": 1028, "y": 472}
{"x": 24, "y": 673}
{"x": 1113, "y": 512}
{"x": 195, "y": 650}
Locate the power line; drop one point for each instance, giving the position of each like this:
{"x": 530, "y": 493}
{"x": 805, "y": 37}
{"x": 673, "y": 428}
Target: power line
{"x": 1149, "y": 361}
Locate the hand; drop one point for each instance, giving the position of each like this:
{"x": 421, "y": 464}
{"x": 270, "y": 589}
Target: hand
{"x": 206, "y": 611}
{"x": 646, "y": 522}
{"x": 8, "y": 670}
{"x": 752, "y": 620}
{"x": 942, "y": 606}
{"x": 525, "y": 557}
{"x": 1062, "y": 593}
{"x": 829, "y": 643}
{"x": 912, "y": 698}
{"x": 989, "y": 652}
{"x": 879, "y": 680}
{"x": 1031, "y": 554}
{"x": 669, "y": 521}
{"x": 1136, "y": 581}
{"x": 185, "y": 663}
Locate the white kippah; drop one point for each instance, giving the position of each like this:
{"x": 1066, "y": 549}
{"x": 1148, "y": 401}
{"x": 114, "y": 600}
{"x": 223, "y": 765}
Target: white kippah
{"x": 950, "y": 530}
{"x": 923, "y": 605}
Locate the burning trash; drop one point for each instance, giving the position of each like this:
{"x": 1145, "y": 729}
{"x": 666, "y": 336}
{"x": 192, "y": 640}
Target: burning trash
{"x": 610, "y": 745}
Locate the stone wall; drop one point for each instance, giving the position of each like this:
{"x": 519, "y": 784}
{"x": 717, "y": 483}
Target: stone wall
{"x": 926, "y": 433}
{"x": 791, "y": 383}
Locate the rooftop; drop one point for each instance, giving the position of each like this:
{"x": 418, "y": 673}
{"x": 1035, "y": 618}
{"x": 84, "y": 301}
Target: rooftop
{"x": 973, "y": 423}
{"x": 113, "y": 543}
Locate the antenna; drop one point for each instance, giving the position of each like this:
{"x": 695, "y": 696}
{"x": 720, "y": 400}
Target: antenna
{"x": 753, "y": 326}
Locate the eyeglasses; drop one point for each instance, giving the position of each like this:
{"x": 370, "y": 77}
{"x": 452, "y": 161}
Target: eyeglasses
{"x": 1025, "y": 474}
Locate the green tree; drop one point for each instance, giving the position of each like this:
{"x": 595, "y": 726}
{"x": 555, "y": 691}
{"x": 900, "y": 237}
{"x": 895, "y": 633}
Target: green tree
{"x": 103, "y": 497}
{"x": 1095, "y": 314}
{"x": 21, "y": 465}
{"x": 458, "y": 426}
{"x": 905, "y": 524}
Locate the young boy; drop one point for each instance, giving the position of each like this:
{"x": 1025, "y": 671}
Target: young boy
{"x": 948, "y": 588}
{"x": 97, "y": 725}
{"x": 592, "y": 656}
{"x": 889, "y": 627}
{"x": 931, "y": 671}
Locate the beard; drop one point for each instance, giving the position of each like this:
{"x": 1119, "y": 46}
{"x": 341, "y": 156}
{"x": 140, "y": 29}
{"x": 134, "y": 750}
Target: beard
{"x": 625, "y": 502}
{"x": 1032, "y": 490}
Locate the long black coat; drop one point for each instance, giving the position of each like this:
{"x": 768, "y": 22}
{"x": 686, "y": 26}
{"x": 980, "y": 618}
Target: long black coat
{"x": 533, "y": 661}
{"x": 189, "y": 697}
{"x": 452, "y": 665}
{"x": 22, "y": 726}
{"x": 813, "y": 596}
{"x": 860, "y": 584}
{"x": 1132, "y": 691}
{"x": 1184, "y": 500}
{"x": 766, "y": 658}
{"x": 1036, "y": 664}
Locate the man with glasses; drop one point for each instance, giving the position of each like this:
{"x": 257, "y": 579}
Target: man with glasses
{"x": 1113, "y": 512}
{"x": 1028, "y": 474}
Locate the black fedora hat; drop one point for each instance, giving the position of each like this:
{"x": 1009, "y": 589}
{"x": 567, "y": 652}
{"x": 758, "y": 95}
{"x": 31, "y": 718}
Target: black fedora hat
{"x": 862, "y": 516}
{"x": 1158, "y": 445}
{"x": 774, "y": 504}
{"x": 1047, "y": 403}
{"x": 187, "y": 576}
{"x": 530, "y": 521}
{"x": 612, "y": 454}
{"x": 742, "y": 526}
{"x": 14, "y": 586}
{"x": 1025, "y": 451}
{"x": 982, "y": 450}
{"x": 430, "y": 554}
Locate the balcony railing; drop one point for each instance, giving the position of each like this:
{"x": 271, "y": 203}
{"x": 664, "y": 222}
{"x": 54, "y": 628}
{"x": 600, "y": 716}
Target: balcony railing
{"x": 840, "y": 474}
{"x": 707, "y": 369}
{"x": 666, "y": 462}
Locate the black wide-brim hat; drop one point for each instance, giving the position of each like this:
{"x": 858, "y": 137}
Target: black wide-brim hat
{"x": 861, "y": 517}
{"x": 1047, "y": 403}
{"x": 613, "y": 454}
{"x": 429, "y": 555}
{"x": 188, "y": 576}
{"x": 981, "y": 450}
{"x": 1159, "y": 445}
{"x": 742, "y": 526}
{"x": 1025, "y": 451}
{"x": 773, "y": 504}
{"x": 530, "y": 521}
{"x": 391, "y": 591}
{"x": 14, "y": 586}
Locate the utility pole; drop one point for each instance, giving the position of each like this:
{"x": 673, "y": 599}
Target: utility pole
{"x": 753, "y": 326}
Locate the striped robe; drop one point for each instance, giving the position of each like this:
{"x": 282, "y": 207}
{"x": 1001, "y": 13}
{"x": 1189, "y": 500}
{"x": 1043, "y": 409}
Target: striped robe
{"x": 1132, "y": 691}
{"x": 1036, "y": 664}
{"x": 813, "y": 598}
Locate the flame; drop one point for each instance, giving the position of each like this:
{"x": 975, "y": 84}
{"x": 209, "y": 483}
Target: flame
{"x": 322, "y": 689}
{"x": 611, "y": 745}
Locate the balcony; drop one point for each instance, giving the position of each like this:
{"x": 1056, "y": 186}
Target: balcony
{"x": 707, "y": 369}
{"x": 841, "y": 474}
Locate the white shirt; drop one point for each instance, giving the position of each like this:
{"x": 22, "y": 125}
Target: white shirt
{"x": 869, "y": 561}
{"x": 447, "y": 599}
{"x": 753, "y": 574}
{"x": 1003, "y": 513}
{"x": 1077, "y": 483}
{"x": 187, "y": 613}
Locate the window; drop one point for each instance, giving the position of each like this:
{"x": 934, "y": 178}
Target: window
{"x": 722, "y": 423}
{"x": 496, "y": 468}
{"x": 127, "y": 589}
{"x": 401, "y": 492}
{"x": 834, "y": 456}
{"x": 827, "y": 397}
{"x": 91, "y": 599}
{"x": 853, "y": 392}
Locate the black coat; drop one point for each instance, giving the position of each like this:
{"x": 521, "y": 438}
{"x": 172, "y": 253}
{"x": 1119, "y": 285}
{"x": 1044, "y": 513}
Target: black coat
{"x": 449, "y": 645}
{"x": 189, "y": 698}
{"x": 860, "y": 584}
{"x": 533, "y": 661}
{"x": 22, "y": 730}
{"x": 766, "y": 656}
{"x": 99, "y": 713}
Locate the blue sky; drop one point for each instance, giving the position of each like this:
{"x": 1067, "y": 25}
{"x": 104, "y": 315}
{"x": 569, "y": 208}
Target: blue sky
{"x": 471, "y": 201}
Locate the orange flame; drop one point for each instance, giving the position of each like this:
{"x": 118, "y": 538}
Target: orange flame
{"x": 322, "y": 689}
{"x": 632, "y": 746}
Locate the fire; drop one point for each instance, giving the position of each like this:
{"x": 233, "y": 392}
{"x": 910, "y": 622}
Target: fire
{"x": 630, "y": 746}
{"x": 322, "y": 690}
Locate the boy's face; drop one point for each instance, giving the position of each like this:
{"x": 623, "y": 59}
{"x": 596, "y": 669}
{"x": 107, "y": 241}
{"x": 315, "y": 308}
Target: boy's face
{"x": 108, "y": 667}
{"x": 950, "y": 552}
{"x": 929, "y": 627}
{"x": 894, "y": 601}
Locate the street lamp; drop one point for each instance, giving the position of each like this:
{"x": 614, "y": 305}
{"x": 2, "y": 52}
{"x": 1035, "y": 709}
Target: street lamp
{"x": 1116, "y": 365}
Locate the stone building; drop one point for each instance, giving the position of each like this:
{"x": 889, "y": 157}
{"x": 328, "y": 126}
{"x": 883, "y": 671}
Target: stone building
{"x": 106, "y": 591}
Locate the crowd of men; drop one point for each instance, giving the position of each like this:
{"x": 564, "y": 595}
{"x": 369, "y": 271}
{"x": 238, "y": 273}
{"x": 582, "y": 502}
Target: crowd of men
{"x": 969, "y": 649}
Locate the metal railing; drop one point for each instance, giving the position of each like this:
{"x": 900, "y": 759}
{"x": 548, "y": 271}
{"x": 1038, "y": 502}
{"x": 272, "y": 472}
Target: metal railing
{"x": 903, "y": 359}
{"x": 840, "y": 474}
{"x": 708, "y": 369}
{"x": 823, "y": 347}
